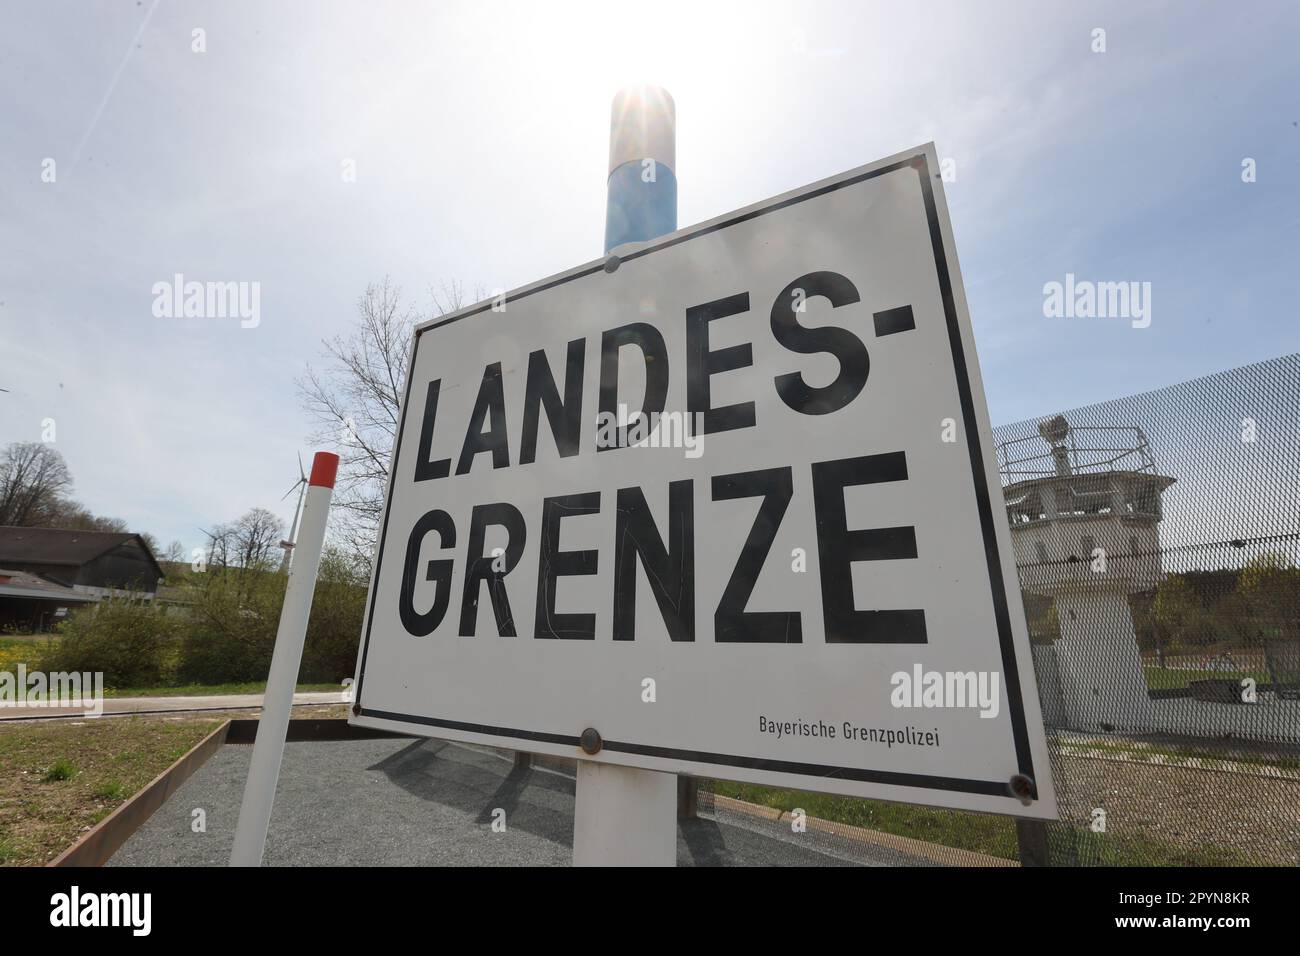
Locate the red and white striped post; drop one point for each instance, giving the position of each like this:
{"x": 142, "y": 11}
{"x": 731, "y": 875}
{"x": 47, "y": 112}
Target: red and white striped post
{"x": 268, "y": 749}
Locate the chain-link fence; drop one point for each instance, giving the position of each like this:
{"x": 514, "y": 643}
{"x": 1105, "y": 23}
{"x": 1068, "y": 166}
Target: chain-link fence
{"x": 1157, "y": 539}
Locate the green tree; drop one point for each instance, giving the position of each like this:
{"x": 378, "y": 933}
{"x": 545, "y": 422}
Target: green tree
{"x": 230, "y": 632}
{"x": 1180, "y": 618}
{"x": 1269, "y": 588}
{"x": 229, "y": 635}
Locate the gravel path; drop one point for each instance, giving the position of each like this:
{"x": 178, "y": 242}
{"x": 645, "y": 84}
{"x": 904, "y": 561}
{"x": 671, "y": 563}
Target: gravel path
{"x": 430, "y": 803}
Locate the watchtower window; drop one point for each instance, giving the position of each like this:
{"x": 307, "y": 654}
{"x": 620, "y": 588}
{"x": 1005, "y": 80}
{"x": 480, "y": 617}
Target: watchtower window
{"x": 1042, "y": 551}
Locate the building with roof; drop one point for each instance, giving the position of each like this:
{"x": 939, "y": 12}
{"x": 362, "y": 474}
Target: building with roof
{"x": 44, "y": 572}
{"x": 32, "y": 604}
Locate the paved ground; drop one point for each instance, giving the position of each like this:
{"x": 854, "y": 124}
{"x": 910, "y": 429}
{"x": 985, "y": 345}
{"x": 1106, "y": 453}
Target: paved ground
{"x": 430, "y": 803}
{"x": 148, "y": 705}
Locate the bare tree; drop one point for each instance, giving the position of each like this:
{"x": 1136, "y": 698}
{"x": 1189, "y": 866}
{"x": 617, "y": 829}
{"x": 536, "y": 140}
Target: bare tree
{"x": 219, "y": 545}
{"x": 256, "y": 536}
{"x": 356, "y": 399}
{"x": 33, "y": 480}
{"x": 74, "y": 517}
{"x": 152, "y": 542}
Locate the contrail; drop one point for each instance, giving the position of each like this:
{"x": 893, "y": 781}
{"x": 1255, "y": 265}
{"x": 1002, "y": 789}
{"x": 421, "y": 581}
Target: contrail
{"x": 112, "y": 85}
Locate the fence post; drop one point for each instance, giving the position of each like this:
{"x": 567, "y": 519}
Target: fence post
{"x": 1032, "y": 837}
{"x": 688, "y": 797}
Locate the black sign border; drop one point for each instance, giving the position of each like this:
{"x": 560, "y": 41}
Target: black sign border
{"x": 997, "y": 583}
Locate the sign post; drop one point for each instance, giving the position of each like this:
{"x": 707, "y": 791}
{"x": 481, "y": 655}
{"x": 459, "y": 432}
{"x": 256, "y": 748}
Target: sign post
{"x": 623, "y": 816}
{"x": 277, "y": 704}
{"x": 724, "y": 503}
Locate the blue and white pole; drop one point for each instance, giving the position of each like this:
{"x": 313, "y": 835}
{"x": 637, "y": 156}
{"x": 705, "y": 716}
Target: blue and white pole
{"x": 623, "y": 816}
{"x": 642, "y": 201}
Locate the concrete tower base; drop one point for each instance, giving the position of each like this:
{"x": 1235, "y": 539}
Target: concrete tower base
{"x": 1101, "y": 670}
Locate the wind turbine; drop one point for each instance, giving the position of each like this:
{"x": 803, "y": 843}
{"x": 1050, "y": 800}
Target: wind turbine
{"x": 300, "y": 486}
{"x": 212, "y": 547}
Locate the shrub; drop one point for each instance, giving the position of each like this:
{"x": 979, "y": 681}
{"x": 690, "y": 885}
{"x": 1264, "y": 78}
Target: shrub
{"x": 230, "y": 633}
{"x": 130, "y": 641}
{"x": 334, "y": 630}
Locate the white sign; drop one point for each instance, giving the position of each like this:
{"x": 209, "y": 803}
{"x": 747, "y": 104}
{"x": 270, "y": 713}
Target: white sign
{"x": 731, "y": 502}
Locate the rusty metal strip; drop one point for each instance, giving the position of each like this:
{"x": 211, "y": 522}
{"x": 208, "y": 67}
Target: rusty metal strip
{"x": 106, "y": 837}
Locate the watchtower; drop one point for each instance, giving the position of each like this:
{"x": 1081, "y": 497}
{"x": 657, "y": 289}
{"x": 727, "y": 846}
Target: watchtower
{"x": 1084, "y": 505}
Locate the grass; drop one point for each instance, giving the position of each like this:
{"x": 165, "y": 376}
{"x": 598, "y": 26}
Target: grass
{"x": 985, "y": 833}
{"x": 1160, "y": 678}
{"x": 208, "y": 690}
{"x": 1079, "y": 846}
{"x": 14, "y": 652}
{"x": 61, "y": 769}
{"x": 109, "y": 790}
{"x": 981, "y": 833}
{"x": 58, "y": 779}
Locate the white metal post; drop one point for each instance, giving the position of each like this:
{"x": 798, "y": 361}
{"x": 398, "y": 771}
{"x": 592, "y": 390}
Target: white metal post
{"x": 268, "y": 749}
{"x": 623, "y": 816}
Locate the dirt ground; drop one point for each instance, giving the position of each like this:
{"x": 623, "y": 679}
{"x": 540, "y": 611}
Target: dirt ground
{"x": 58, "y": 778}
{"x": 1244, "y": 813}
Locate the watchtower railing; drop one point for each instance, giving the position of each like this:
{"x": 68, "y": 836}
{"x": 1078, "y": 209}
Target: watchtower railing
{"x": 1088, "y": 450}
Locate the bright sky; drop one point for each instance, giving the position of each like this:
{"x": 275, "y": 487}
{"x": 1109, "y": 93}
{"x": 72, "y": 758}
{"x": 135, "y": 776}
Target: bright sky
{"x": 479, "y": 133}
